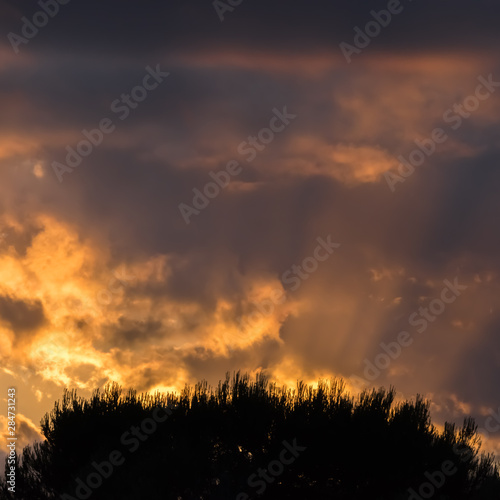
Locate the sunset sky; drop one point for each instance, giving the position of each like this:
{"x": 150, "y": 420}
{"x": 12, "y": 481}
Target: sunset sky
{"x": 115, "y": 270}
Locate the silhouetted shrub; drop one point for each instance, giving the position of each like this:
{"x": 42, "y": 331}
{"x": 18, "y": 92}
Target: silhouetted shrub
{"x": 247, "y": 439}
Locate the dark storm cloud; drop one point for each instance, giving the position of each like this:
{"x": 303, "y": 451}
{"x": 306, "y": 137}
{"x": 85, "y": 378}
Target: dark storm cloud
{"x": 67, "y": 92}
{"x": 127, "y": 334}
{"x": 480, "y": 364}
{"x": 133, "y": 28}
{"x": 21, "y": 316}
{"x": 468, "y": 208}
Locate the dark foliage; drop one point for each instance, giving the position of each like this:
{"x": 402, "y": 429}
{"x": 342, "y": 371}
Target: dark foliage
{"x": 234, "y": 441}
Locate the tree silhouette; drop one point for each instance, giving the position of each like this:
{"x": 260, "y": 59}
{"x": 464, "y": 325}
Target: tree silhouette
{"x": 246, "y": 439}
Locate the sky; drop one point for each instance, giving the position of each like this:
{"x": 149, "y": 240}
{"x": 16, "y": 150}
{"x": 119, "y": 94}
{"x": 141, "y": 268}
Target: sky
{"x": 308, "y": 189}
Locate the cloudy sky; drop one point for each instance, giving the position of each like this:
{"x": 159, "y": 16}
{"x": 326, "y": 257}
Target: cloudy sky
{"x": 189, "y": 188}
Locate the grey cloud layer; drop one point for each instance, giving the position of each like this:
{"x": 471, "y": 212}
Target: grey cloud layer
{"x": 112, "y": 26}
